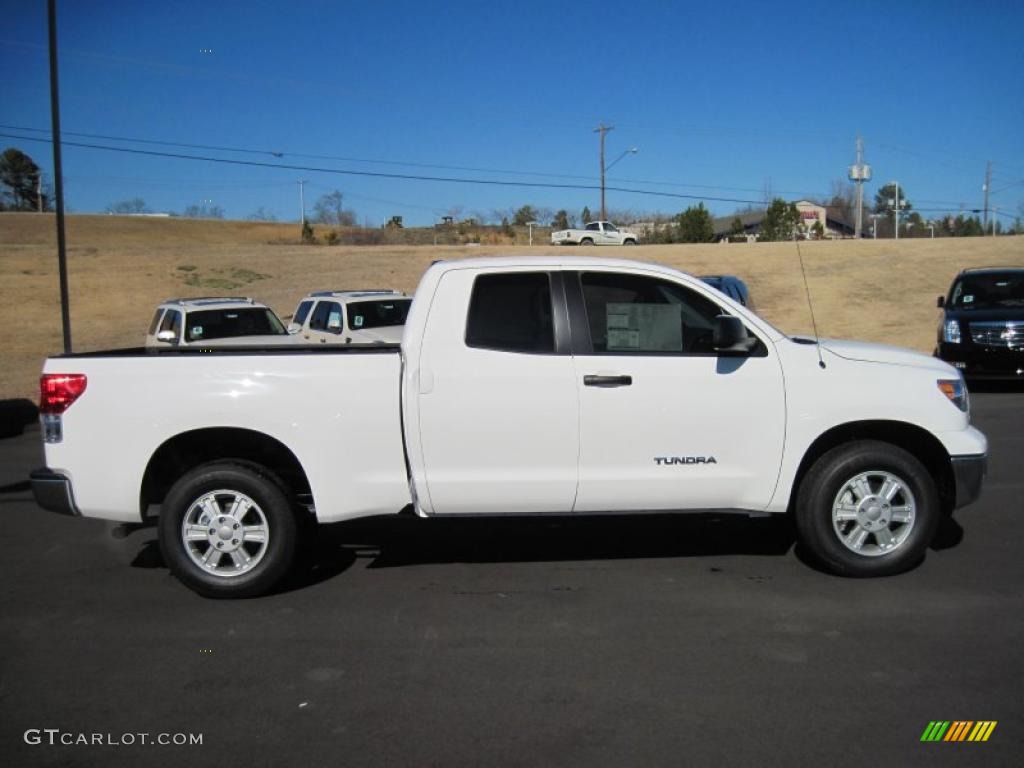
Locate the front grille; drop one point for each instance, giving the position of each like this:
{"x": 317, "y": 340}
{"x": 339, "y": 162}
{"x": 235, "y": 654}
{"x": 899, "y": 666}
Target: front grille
{"x": 1004, "y": 335}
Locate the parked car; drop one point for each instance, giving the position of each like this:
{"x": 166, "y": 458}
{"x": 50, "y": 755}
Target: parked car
{"x": 215, "y": 321}
{"x": 595, "y": 233}
{"x": 981, "y": 331}
{"x": 351, "y": 317}
{"x": 731, "y": 286}
{"x": 527, "y": 386}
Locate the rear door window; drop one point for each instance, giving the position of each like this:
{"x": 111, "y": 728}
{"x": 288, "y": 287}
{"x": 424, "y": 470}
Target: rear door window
{"x": 511, "y": 312}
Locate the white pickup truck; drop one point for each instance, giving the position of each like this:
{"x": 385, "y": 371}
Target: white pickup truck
{"x": 522, "y": 386}
{"x": 594, "y": 233}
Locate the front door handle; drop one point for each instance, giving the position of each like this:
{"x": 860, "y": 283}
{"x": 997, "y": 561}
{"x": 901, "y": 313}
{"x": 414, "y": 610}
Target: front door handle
{"x": 592, "y": 380}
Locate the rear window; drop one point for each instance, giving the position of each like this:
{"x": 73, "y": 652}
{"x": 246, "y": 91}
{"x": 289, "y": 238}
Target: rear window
{"x": 378, "y": 313}
{"x": 230, "y": 323}
{"x": 511, "y": 312}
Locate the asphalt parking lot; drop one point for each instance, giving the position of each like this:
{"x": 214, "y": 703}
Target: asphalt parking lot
{"x": 617, "y": 641}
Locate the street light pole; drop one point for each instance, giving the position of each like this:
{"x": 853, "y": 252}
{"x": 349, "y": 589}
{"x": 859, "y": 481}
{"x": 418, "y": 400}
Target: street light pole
{"x": 58, "y": 180}
{"x": 896, "y": 211}
{"x": 302, "y": 199}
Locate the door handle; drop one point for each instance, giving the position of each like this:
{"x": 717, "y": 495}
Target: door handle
{"x": 592, "y": 380}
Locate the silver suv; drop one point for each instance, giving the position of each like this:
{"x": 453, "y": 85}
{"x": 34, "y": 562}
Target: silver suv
{"x": 351, "y": 317}
{"x": 215, "y": 321}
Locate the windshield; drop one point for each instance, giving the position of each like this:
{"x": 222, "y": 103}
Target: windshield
{"x": 230, "y": 323}
{"x": 377, "y": 314}
{"x": 989, "y": 291}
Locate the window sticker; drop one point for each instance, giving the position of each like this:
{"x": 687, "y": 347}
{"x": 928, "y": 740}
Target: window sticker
{"x": 644, "y": 327}
{"x": 968, "y": 298}
{"x": 197, "y": 330}
{"x": 334, "y": 321}
{"x": 357, "y": 321}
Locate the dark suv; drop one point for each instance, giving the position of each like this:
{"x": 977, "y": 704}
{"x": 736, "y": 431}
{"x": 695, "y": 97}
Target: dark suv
{"x": 982, "y": 327}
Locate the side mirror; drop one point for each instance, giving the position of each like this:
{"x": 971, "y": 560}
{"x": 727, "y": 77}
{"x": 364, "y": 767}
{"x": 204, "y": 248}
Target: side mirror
{"x": 941, "y": 302}
{"x": 294, "y": 327}
{"x": 729, "y": 336}
{"x": 168, "y": 337}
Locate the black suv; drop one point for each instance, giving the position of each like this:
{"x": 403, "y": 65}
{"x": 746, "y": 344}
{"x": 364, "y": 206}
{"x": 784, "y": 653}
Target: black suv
{"x": 982, "y": 327}
{"x": 732, "y": 287}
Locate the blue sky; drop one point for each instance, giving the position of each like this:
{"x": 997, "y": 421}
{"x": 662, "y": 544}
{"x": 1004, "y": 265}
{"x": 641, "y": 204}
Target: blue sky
{"x": 720, "y": 99}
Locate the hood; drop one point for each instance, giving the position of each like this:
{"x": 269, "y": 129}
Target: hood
{"x": 247, "y": 341}
{"x": 389, "y": 334}
{"x": 993, "y": 314}
{"x": 866, "y": 352}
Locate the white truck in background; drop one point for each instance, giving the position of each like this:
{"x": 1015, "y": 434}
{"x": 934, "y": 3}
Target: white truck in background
{"x": 595, "y": 233}
{"x": 526, "y": 386}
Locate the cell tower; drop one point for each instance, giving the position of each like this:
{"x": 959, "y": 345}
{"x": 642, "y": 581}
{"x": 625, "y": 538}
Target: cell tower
{"x": 859, "y": 173}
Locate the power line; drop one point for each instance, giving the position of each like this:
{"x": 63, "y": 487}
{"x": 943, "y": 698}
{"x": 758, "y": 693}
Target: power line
{"x": 382, "y": 175}
{"x": 400, "y": 163}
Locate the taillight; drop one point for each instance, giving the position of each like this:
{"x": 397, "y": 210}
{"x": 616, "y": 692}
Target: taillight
{"x": 57, "y": 391}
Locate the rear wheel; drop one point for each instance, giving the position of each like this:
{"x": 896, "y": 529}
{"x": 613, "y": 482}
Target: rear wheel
{"x": 629, "y": 242}
{"x": 586, "y": 241}
{"x": 228, "y": 530}
{"x": 867, "y": 509}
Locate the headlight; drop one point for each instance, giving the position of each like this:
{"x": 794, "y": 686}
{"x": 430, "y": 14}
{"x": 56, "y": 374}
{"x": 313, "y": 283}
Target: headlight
{"x": 955, "y": 390}
{"x": 951, "y": 332}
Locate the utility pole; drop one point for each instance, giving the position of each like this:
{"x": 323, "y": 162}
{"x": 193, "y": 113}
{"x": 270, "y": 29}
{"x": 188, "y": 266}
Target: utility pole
{"x": 302, "y": 200}
{"x": 603, "y": 129}
{"x": 859, "y": 173}
{"x": 985, "y": 189}
{"x": 896, "y": 212}
{"x": 39, "y": 192}
{"x": 58, "y": 179}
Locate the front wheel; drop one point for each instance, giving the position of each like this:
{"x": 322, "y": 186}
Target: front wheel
{"x": 629, "y": 242}
{"x": 867, "y": 508}
{"x": 228, "y": 530}
{"x": 586, "y": 241}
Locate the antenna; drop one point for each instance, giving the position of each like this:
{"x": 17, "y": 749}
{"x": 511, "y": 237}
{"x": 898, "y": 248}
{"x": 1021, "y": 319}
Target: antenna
{"x": 810, "y": 306}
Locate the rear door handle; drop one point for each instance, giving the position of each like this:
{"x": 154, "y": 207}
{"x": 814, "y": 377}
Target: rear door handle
{"x": 593, "y": 380}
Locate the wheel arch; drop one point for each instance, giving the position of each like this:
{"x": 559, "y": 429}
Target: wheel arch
{"x": 187, "y": 450}
{"x": 915, "y": 440}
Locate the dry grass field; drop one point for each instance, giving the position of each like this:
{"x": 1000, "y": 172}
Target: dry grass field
{"x": 121, "y": 267}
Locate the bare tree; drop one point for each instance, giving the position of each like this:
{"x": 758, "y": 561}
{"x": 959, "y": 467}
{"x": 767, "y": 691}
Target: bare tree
{"x": 329, "y": 209}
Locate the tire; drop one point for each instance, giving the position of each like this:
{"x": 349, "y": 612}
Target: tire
{"x": 629, "y": 242}
{"x": 586, "y": 241}
{"x": 867, "y": 508}
{"x": 246, "y": 551}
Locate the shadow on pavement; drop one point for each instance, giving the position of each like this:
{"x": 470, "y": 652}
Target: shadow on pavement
{"x": 978, "y": 386}
{"x": 15, "y": 414}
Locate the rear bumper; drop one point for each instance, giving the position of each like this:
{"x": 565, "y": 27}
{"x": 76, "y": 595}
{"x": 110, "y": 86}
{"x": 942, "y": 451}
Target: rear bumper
{"x": 968, "y": 471}
{"x": 53, "y": 492}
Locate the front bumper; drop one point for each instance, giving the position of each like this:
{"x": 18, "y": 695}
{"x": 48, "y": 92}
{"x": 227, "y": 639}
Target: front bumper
{"x": 53, "y": 492}
{"x": 968, "y": 472}
{"x": 977, "y": 362}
